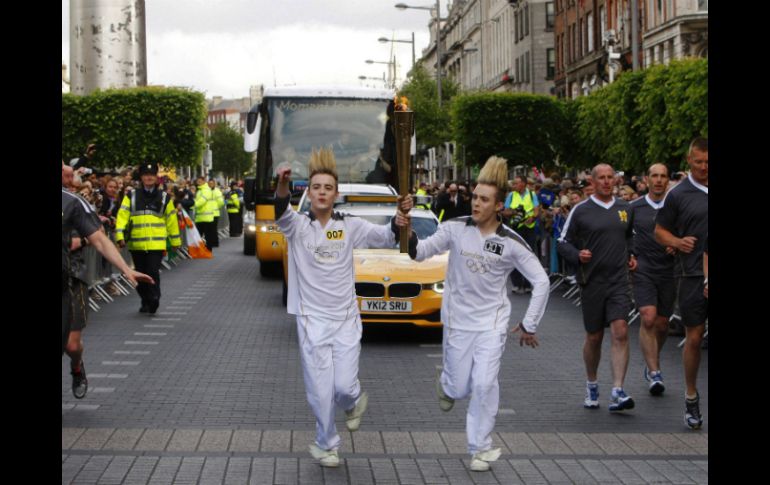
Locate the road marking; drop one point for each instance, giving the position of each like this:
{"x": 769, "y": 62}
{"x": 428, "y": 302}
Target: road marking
{"x": 150, "y": 325}
{"x": 101, "y": 390}
{"x": 132, "y": 352}
{"x": 140, "y": 342}
{"x": 172, "y": 313}
{"x": 107, "y": 376}
{"x": 80, "y": 407}
{"x": 166, "y": 319}
{"x": 435, "y": 356}
{"x": 506, "y": 411}
{"x": 150, "y": 334}
{"x": 124, "y": 362}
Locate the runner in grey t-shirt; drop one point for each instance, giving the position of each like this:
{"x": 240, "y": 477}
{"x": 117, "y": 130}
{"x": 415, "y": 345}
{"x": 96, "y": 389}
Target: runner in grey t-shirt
{"x": 653, "y": 280}
{"x": 682, "y": 223}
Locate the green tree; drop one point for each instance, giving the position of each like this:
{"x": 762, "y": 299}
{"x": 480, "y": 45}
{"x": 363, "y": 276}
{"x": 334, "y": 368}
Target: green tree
{"x": 228, "y": 154}
{"x": 432, "y": 124}
{"x": 135, "y": 124}
{"x": 523, "y": 128}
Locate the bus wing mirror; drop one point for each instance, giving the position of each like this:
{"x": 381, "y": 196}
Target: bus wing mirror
{"x": 253, "y": 127}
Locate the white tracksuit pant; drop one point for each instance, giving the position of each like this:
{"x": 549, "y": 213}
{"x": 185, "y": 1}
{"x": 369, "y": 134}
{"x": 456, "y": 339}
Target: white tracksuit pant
{"x": 330, "y": 351}
{"x": 471, "y": 364}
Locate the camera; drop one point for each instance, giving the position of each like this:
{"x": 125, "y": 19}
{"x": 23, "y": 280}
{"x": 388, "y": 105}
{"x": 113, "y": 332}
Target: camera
{"x": 519, "y": 215}
{"x": 87, "y": 171}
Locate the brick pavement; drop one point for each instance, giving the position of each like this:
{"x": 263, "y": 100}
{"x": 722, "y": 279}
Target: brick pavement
{"x": 209, "y": 390}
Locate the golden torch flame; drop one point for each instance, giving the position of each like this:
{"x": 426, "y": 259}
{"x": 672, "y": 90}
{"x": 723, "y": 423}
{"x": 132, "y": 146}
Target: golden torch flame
{"x": 402, "y": 105}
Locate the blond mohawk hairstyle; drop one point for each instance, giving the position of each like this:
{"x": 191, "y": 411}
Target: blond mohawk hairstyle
{"x": 322, "y": 161}
{"x": 495, "y": 172}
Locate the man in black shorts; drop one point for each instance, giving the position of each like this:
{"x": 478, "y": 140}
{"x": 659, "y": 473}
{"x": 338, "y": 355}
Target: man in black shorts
{"x": 682, "y": 223}
{"x": 76, "y": 215}
{"x": 653, "y": 280}
{"x": 595, "y": 238}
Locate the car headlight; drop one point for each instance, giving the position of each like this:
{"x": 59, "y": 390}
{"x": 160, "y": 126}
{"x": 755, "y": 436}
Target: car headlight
{"x": 251, "y": 228}
{"x": 266, "y": 226}
{"x": 438, "y": 287}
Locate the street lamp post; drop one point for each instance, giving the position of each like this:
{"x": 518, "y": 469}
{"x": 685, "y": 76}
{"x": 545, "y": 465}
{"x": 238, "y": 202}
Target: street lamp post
{"x": 403, "y": 6}
{"x": 389, "y": 63}
{"x": 385, "y": 40}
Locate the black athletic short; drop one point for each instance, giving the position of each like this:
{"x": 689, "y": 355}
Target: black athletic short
{"x": 603, "y": 303}
{"x": 78, "y": 307}
{"x": 656, "y": 291}
{"x": 693, "y": 306}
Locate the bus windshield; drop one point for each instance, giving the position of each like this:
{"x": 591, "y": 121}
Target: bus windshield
{"x": 353, "y": 128}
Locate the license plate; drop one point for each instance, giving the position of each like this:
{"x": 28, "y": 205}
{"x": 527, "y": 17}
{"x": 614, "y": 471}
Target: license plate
{"x": 383, "y": 306}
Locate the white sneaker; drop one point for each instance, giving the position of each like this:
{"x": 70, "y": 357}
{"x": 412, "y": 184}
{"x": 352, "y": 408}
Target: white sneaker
{"x": 444, "y": 402}
{"x": 327, "y": 458}
{"x": 480, "y": 461}
{"x": 353, "y": 417}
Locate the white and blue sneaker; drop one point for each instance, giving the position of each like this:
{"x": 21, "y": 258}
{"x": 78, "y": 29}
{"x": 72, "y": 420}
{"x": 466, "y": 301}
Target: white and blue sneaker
{"x": 620, "y": 401}
{"x": 692, "y": 416}
{"x": 655, "y": 378}
{"x": 592, "y": 396}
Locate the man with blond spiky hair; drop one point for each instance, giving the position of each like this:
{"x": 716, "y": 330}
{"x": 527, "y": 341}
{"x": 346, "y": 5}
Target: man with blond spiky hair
{"x": 476, "y": 309}
{"x": 321, "y": 293}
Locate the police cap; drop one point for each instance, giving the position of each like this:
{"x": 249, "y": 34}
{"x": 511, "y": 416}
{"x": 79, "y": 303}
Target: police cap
{"x": 148, "y": 167}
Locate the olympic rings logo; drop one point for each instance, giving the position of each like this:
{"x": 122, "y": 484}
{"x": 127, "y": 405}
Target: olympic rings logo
{"x": 478, "y": 266}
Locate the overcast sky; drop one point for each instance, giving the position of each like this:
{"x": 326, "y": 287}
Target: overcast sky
{"x": 221, "y": 47}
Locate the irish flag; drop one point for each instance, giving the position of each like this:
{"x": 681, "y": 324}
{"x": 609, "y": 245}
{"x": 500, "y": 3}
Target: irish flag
{"x": 195, "y": 245}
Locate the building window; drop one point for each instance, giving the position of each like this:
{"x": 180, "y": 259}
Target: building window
{"x": 581, "y": 36}
{"x": 602, "y": 22}
{"x": 703, "y": 5}
{"x": 516, "y": 28}
{"x": 526, "y": 19}
{"x": 518, "y": 73}
{"x": 550, "y": 70}
{"x": 590, "y": 32}
{"x": 549, "y": 17}
{"x": 526, "y": 60}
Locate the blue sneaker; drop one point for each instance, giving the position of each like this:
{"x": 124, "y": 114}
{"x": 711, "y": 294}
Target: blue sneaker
{"x": 692, "y": 417}
{"x": 656, "y": 383}
{"x": 620, "y": 401}
{"x": 592, "y": 396}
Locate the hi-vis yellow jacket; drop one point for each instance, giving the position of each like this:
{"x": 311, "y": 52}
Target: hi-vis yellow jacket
{"x": 203, "y": 198}
{"x": 233, "y": 203}
{"x": 218, "y": 201}
{"x": 150, "y": 220}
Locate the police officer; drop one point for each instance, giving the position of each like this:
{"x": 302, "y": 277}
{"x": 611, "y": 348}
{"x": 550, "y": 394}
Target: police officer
{"x": 234, "y": 210}
{"x": 204, "y": 218}
{"x": 524, "y": 202}
{"x": 215, "y": 205}
{"x": 422, "y": 191}
{"x": 152, "y": 218}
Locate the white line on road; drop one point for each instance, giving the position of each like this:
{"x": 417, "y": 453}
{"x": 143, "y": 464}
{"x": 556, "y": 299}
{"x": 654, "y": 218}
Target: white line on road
{"x": 435, "y": 356}
{"x": 132, "y": 352}
{"x": 108, "y": 376}
{"x": 140, "y": 342}
{"x": 150, "y": 334}
{"x": 150, "y": 325}
{"x": 124, "y": 362}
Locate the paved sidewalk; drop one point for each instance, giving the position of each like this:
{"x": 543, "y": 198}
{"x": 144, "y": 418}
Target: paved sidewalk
{"x": 210, "y": 390}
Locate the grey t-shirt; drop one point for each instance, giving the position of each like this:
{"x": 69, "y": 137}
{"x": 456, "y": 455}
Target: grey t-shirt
{"x": 76, "y": 215}
{"x": 651, "y": 257}
{"x": 605, "y": 231}
{"x": 685, "y": 212}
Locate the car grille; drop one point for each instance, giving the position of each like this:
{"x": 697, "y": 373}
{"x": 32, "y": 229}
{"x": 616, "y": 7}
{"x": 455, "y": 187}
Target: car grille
{"x": 403, "y": 290}
{"x": 370, "y": 290}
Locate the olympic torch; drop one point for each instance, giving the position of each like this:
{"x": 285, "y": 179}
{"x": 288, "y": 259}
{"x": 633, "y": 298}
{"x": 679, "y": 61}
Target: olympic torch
{"x": 403, "y": 121}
